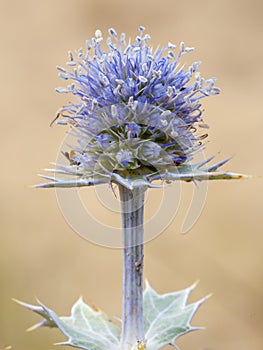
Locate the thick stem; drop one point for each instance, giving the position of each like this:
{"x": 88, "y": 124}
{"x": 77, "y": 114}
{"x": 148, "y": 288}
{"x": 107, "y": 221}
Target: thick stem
{"x": 132, "y": 205}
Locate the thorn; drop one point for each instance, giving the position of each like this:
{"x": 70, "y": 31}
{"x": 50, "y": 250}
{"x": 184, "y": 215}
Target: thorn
{"x": 194, "y": 285}
{"x": 218, "y": 165}
{"x": 147, "y": 284}
{"x": 199, "y": 165}
{"x": 36, "y": 326}
{"x": 51, "y": 178}
{"x": 117, "y": 319}
{"x": 67, "y": 343}
{"x": 28, "y": 306}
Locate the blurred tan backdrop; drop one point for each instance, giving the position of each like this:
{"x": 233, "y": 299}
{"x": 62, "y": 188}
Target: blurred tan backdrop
{"x": 42, "y": 257}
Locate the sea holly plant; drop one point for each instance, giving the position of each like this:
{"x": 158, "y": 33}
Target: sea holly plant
{"x": 137, "y": 123}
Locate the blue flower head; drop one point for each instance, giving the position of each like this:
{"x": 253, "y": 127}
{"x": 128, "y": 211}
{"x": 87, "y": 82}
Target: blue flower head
{"x": 137, "y": 111}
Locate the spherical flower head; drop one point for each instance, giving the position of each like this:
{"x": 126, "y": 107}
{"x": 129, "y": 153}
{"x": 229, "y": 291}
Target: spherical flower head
{"x": 137, "y": 110}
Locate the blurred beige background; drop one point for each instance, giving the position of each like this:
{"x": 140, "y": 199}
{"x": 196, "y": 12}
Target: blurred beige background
{"x": 42, "y": 257}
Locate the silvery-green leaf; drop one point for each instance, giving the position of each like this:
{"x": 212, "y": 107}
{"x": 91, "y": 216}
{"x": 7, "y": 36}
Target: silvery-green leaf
{"x": 86, "y": 328}
{"x": 167, "y": 316}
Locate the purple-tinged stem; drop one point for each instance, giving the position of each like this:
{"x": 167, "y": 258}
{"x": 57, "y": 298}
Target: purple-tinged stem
{"x": 132, "y": 208}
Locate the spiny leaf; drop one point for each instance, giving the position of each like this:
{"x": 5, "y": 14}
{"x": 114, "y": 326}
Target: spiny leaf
{"x": 167, "y": 316}
{"x": 86, "y": 328}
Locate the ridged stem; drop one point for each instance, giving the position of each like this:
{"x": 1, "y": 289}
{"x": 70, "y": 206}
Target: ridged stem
{"x": 132, "y": 208}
